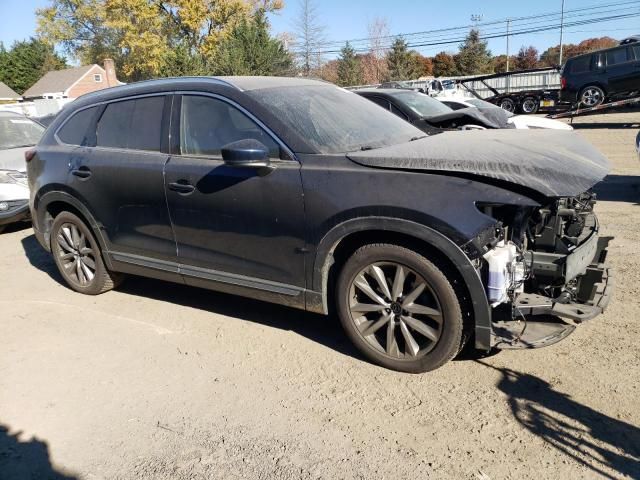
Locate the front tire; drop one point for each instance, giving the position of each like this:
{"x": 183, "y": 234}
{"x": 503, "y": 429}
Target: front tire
{"x": 78, "y": 256}
{"x": 399, "y": 309}
{"x": 591, "y": 96}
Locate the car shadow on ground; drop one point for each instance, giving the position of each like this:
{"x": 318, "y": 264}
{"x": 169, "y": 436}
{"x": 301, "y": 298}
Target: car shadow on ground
{"x": 607, "y": 125}
{"x": 619, "y": 188}
{"x": 587, "y": 436}
{"x": 26, "y": 459}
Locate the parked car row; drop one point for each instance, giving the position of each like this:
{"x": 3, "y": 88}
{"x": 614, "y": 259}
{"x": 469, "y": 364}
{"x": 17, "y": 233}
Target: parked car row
{"x": 17, "y": 134}
{"x": 421, "y": 242}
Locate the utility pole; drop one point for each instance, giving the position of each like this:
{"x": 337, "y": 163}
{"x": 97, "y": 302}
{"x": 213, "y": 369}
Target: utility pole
{"x": 561, "y": 32}
{"x": 508, "y": 33}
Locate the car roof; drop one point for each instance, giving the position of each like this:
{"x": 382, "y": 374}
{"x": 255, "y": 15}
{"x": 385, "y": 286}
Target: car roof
{"x": 5, "y": 113}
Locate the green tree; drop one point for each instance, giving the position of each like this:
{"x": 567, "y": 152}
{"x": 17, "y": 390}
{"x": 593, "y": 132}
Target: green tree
{"x": 402, "y": 63}
{"x": 26, "y": 62}
{"x": 474, "y": 57}
{"x": 250, "y": 50}
{"x": 444, "y": 65}
{"x": 349, "y": 68}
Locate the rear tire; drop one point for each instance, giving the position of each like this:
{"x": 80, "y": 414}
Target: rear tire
{"x": 2, "y": 227}
{"x": 399, "y": 309}
{"x": 78, "y": 257}
{"x": 591, "y": 96}
{"x": 530, "y": 105}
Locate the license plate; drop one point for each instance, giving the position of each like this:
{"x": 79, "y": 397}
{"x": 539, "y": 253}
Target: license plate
{"x": 547, "y": 103}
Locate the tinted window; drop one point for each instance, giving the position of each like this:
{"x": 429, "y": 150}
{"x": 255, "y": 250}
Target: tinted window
{"x": 636, "y": 51}
{"x": 420, "y": 103}
{"x": 379, "y": 101}
{"x": 74, "y": 131}
{"x": 581, "y": 64}
{"x": 134, "y": 124}
{"x": 396, "y": 111}
{"x": 208, "y": 124}
{"x": 619, "y": 55}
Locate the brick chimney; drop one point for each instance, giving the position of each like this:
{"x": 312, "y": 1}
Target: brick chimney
{"x": 110, "y": 68}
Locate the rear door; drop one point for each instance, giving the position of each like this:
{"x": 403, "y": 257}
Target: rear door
{"x": 118, "y": 174}
{"x": 635, "y": 49}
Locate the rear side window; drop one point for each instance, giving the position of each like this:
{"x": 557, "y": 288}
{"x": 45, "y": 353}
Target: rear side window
{"x": 581, "y": 64}
{"x": 132, "y": 124}
{"x": 75, "y": 130}
{"x": 636, "y": 51}
{"x": 380, "y": 101}
{"x": 619, "y": 55}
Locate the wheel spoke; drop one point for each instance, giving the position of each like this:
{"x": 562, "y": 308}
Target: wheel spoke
{"x": 392, "y": 344}
{"x": 377, "y": 273}
{"x": 412, "y": 345}
{"x": 366, "y": 307}
{"x": 88, "y": 261}
{"x": 66, "y": 232}
{"x": 421, "y": 328}
{"x": 365, "y": 288}
{"x": 88, "y": 274}
{"x": 398, "y": 282}
{"x": 409, "y": 299}
{"x": 372, "y": 327}
{"x": 422, "y": 310}
{"x": 79, "y": 272}
{"x": 86, "y": 251}
{"x": 75, "y": 235}
{"x": 67, "y": 256}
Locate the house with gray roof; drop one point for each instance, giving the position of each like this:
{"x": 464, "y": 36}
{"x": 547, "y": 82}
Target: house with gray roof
{"x": 7, "y": 94}
{"x": 73, "y": 82}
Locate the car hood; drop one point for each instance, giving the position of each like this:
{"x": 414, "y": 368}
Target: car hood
{"x": 528, "y": 121}
{"x": 467, "y": 115}
{"x": 554, "y": 163}
{"x": 13, "y": 159}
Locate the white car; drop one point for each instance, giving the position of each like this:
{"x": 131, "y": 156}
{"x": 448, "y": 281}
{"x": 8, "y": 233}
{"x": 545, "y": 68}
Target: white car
{"x": 518, "y": 121}
{"x": 17, "y": 135}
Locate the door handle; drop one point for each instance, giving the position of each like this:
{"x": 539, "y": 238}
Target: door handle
{"x": 181, "y": 187}
{"x": 81, "y": 172}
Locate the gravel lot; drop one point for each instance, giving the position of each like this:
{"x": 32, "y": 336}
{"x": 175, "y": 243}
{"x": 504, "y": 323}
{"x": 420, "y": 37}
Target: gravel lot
{"x": 159, "y": 381}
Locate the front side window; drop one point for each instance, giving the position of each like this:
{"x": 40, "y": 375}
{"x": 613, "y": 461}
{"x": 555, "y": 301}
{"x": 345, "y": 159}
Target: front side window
{"x": 132, "y": 124}
{"x": 208, "y": 124}
{"x": 619, "y": 55}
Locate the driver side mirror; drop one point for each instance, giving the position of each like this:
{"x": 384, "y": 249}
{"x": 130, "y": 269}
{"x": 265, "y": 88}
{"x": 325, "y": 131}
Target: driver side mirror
{"x": 247, "y": 153}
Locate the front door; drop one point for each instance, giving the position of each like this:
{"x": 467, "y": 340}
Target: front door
{"x": 233, "y": 226}
{"x": 621, "y": 70}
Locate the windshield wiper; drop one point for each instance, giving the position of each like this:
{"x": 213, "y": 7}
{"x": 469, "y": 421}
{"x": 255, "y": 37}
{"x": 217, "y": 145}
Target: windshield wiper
{"x": 366, "y": 147}
{"x": 418, "y": 138}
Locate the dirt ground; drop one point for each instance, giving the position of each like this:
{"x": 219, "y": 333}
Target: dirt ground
{"x": 158, "y": 381}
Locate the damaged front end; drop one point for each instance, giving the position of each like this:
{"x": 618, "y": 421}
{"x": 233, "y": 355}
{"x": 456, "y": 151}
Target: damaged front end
{"x": 544, "y": 269}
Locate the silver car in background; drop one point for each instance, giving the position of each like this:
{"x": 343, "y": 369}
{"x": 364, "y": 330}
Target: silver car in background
{"x": 18, "y": 134}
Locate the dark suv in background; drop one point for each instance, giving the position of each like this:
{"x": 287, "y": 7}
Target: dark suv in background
{"x": 301, "y": 193}
{"x": 590, "y": 79}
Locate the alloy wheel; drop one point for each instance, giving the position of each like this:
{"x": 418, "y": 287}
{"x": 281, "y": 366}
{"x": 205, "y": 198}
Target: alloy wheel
{"x": 76, "y": 256}
{"x": 592, "y": 97}
{"x": 529, "y": 105}
{"x": 395, "y": 310}
{"x": 508, "y": 105}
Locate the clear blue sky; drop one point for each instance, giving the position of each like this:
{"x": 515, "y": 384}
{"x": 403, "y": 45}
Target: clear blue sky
{"x": 346, "y": 19}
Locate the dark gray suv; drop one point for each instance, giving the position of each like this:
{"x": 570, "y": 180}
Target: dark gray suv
{"x": 301, "y": 193}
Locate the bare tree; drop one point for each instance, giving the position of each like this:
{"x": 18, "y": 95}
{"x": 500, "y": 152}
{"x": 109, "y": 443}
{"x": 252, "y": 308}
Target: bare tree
{"x": 309, "y": 35}
{"x": 378, "y": 30}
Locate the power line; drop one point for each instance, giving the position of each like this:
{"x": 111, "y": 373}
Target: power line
{"x": 496, "y": 33}
{"x": 496, "y": 29}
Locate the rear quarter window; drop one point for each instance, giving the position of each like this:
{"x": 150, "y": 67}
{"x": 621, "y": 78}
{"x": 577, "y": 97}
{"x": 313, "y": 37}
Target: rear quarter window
{"x": 75, "y": 130}
{"x": 619, "y": 55}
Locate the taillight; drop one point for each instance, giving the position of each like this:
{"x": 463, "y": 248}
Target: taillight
{"x": 563, "y": 83}
{"x": 29, "y": 154}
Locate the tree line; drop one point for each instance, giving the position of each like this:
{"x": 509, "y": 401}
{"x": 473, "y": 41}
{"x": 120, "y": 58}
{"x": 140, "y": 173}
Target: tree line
{"x": 160, "y": 38}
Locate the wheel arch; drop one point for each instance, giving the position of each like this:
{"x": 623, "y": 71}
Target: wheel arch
{"x": 51, "y": 203}
{"x": 341, "y": 241}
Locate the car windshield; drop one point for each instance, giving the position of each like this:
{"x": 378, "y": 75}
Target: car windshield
{"x": 476, "y": 102}
{"x": 334, "y": 120}
{"x": 17, "y": 131}
{"x": 422, "y": 104}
